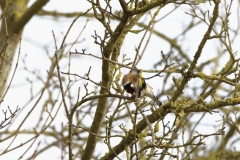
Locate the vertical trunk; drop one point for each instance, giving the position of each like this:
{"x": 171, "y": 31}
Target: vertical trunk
{"x": 9, "y": 39}
{"x": 15, "y": 15}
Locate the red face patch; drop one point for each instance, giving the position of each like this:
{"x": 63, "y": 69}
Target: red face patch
{"x": 129, "y": 88}
{"x": 132, "y": 90}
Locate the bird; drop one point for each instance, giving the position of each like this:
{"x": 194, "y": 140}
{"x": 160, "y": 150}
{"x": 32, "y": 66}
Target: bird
{"x": 135, "y": 84}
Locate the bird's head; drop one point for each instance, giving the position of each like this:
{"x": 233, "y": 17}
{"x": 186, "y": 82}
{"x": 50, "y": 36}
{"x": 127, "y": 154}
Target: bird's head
{"x": 129, "y": 88}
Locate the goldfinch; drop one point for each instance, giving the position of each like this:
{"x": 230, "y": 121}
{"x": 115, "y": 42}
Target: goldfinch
{"x": 135, "y": 84}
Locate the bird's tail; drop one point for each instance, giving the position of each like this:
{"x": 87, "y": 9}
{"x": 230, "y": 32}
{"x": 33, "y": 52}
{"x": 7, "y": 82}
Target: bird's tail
{"x": 149, "y": 93}
{"x": 159, "y": 103}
